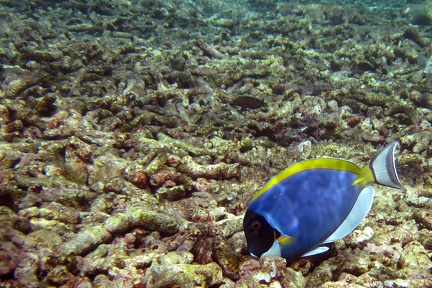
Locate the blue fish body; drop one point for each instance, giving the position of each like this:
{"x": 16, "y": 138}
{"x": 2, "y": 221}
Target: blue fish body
{"x": 312, "y": 203}
{"x": 308, "y": 218}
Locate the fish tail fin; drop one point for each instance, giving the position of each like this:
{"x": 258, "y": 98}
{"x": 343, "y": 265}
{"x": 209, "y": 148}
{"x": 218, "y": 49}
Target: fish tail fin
{"x": 383, "y": 168}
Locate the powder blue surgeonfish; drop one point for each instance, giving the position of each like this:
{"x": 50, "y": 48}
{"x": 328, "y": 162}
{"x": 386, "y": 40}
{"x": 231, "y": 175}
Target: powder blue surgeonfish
{"x": 314, "y": 202}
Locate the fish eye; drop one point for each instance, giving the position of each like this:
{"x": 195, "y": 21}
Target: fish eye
{"x": 256, "y": 225}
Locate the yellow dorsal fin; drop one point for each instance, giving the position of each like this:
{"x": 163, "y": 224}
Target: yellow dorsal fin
{"x": 320, "y": 163}
{"x": 381, "y": 170}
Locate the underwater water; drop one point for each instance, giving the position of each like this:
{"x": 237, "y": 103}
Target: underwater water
{"x": 134, "y": 135}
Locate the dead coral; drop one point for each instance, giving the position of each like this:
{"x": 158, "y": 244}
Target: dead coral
{"x": 125, "y": 161}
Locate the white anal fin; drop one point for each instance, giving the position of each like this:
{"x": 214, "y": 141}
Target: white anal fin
{"x": 359, "y": 211}
{"x": 318, "y": 250}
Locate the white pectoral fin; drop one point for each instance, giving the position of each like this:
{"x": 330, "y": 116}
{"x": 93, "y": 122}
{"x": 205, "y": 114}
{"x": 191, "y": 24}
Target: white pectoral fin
{"x": 359, "y": 211}
{"x": 318, "y": 250}
{"x": 275, "y": 250}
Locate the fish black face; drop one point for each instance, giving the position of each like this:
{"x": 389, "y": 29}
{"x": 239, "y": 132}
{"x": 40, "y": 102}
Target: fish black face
{"x": 259, "y": 234}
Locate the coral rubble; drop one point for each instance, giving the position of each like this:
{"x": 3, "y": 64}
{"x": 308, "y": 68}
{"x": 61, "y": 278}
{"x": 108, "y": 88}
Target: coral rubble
{"x": 134, "y": 134}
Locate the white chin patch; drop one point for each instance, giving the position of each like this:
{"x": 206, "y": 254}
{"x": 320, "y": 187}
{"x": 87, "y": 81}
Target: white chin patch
{"x": 275, "y": 250}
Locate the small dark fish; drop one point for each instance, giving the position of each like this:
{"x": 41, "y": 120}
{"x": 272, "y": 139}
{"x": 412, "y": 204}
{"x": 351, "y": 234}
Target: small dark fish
{"x": 425, "y": 64}
{"x": 248, "y": 102}
{"x": 422, "y": 61}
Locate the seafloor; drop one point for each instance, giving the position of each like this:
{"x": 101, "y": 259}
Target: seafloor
{"x": 134, "y": 134}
